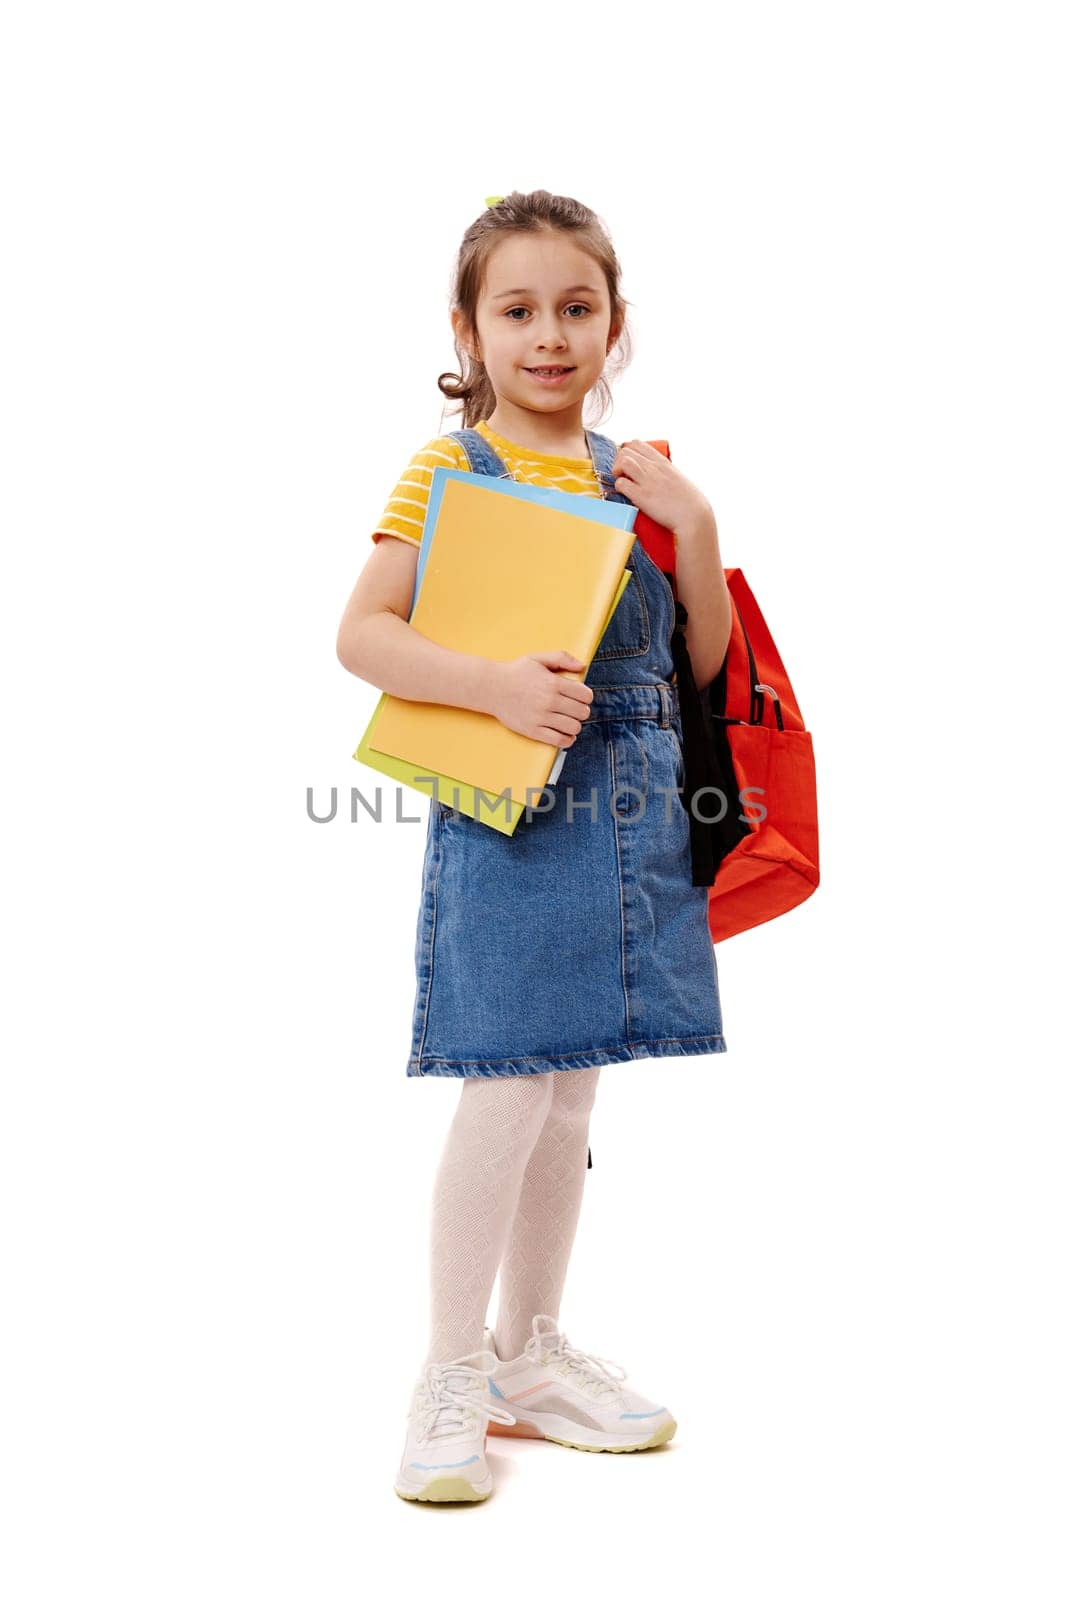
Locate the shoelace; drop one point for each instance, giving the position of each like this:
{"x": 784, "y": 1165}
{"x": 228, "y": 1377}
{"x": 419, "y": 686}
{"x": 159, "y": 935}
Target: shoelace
{"x": 590, "y": 1370}
{"x": 443, "y": 1410}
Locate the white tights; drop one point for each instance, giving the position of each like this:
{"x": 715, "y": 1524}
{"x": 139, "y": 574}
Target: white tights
{"x": 506, "y": 1198}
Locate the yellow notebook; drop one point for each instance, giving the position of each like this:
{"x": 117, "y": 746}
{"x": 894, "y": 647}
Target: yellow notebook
{"x": 505, "y": 577}
{"x": 493, "y": 809}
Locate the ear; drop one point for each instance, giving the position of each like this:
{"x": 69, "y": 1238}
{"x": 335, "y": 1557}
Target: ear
{"x": 466, "y": 337}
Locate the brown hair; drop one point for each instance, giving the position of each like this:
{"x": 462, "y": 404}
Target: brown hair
{"x": 538, "y": 212}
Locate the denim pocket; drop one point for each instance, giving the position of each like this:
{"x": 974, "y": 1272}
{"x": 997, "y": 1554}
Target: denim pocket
{"x": 629, "y": 630}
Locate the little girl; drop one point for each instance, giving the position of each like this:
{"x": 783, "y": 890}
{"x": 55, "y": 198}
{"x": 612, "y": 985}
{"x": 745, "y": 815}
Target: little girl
{"x": 579, "y": 940}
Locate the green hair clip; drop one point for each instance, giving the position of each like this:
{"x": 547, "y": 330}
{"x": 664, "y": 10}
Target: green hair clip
{"x": 495, "y": 199}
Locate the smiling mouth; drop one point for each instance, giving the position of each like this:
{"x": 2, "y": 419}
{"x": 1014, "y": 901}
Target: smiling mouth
{"x": 549, "y": 369}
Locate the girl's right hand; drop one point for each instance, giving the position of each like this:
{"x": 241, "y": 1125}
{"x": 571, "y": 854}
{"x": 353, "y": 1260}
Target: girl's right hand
{"x": 534, "y": 696}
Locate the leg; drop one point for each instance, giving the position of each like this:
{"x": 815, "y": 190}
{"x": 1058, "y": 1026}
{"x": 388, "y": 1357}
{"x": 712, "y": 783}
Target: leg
{"x": 545, "y": 1224}
{"x": 475, "y": 1194}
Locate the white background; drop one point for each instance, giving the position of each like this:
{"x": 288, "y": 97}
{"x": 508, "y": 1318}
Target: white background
{"x": 835, "y": 1251}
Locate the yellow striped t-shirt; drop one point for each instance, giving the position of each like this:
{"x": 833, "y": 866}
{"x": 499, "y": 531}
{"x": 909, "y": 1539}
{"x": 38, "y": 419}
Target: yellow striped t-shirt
{"x": 404, "y": 516}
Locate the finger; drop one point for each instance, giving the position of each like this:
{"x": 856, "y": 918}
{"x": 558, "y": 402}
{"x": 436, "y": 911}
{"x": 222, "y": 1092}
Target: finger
{"x": 562, "y": 724}
{"x": 643, "y": 452}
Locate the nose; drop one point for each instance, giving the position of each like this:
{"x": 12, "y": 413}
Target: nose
{"x": 551, "y": 337}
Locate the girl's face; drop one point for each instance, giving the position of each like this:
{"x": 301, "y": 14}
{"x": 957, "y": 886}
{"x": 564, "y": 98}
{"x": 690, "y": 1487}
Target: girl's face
{"x": 544, "y": 302}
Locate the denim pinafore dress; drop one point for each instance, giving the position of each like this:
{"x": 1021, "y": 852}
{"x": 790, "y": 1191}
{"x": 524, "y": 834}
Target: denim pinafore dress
{"x": 579, "y": 939}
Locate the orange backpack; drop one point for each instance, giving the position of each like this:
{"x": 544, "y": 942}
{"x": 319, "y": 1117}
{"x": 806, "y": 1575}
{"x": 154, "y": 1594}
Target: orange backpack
{"x": 762, "y": 858}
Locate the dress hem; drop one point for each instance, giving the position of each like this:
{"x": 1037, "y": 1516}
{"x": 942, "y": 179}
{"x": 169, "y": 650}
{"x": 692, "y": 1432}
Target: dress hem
{"x": 519, "y": 1066}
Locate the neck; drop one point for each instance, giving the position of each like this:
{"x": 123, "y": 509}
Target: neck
{"x": 555, "y": 433}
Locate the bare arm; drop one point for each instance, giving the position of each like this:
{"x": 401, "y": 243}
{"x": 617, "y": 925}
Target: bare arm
{"x": 704, "y": 594}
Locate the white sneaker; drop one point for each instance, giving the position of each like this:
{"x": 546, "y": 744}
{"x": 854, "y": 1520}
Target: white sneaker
{"x": 444, "y": 1457}
{"x": 560, "y": 1393}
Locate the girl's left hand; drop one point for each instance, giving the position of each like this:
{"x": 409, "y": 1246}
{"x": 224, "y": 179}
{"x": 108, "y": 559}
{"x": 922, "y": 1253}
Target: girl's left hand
{"x": 651, "y": 481}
